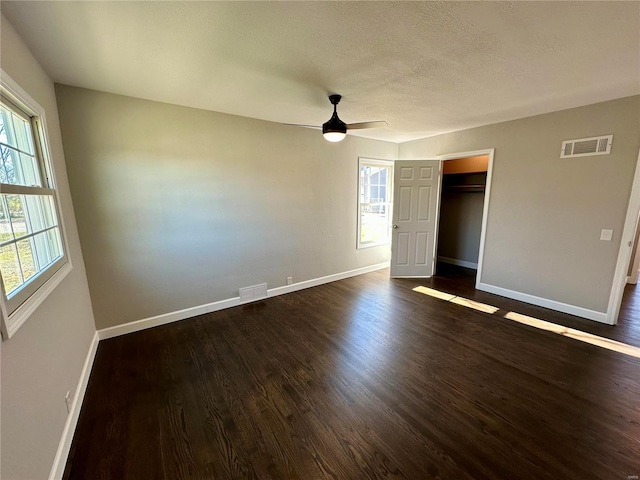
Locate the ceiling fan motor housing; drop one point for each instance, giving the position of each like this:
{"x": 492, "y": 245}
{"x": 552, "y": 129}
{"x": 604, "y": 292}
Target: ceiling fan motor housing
{"x": 334, "y": 125}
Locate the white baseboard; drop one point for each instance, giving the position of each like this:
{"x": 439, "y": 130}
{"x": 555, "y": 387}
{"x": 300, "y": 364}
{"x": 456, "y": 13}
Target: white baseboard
{"x": 60, "y": 460}
{"x": 459, "y": 263}
{"x": 322, "y": 280}
{"x": 165, "y": 318}
{"x": 544, "y": 302}
{"x": 228, "y": 303}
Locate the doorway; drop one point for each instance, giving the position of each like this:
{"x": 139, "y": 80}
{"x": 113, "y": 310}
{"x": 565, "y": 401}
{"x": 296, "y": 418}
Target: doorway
{"x": 461, "y": 206}
{"x": 628, "y": 246}
{"x": 629, "y": 315}
{"x": 416, "y": 213}
{"x": 462, "y": 214}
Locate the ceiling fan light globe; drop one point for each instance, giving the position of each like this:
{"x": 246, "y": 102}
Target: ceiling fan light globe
{"x": 334, "y": 136}
{"x": 335, "y": 129}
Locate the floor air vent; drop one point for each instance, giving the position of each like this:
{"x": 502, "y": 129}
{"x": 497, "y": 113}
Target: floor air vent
{"x": 584, "y": 147}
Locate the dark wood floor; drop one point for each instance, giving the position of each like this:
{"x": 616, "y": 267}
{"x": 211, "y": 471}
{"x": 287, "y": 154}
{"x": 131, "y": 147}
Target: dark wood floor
{"x": 461, "y": 281}
{"x": 363, "y": 378}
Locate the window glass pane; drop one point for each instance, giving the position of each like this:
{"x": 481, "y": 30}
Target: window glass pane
{"x": 382, "y": 193}
{"x": 16, "y": 212}
{"x": 375, "y": 222}
{"x": 5, "y": 126}
{"x": 28, "y": 260}
{"x": 375, "y": 204}
{"x": 22, "y": 132}
{"x": 365, "y": 228}
{"x": 39, "y": 212}
{"x": 48, "y": 211}
{"x": 54, "y": 244}
{"x": 15, "y": 131}
{"x": 374, "y": 194}
{"x": 5, "y": 223}
{"x": 10, "y": 158}
{"x": 5, "y": 116}
{"x": 375, "y": 175}
{"x": 10, "y": 267}
{"x": 27, "y": 173}
{"x": 27, "y": 214}
{"x": 47, "y": 248}
{"x": 19, "y": 168}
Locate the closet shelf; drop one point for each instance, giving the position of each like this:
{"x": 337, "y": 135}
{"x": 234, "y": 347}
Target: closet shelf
{"x": 464, "y": 188}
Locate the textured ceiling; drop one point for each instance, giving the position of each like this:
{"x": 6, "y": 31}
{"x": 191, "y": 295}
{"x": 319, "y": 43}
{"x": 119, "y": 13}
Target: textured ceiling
{"x": 424, "y": 67}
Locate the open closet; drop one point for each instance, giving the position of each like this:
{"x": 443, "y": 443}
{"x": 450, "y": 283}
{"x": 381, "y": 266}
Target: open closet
{"x": 461, "y": 209}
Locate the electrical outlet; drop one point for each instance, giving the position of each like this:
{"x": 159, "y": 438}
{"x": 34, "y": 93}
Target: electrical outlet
{"x": 289, "y": 280}
{"x": 67, "y": 400}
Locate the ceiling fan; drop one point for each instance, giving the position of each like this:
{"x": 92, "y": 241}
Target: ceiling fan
{"x": 335, "y": 129}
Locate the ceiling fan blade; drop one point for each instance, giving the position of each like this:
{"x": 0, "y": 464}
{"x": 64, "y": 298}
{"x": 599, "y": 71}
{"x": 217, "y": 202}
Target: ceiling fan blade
{"x": 317, "y": 127}
{"x": 361, "y": 125}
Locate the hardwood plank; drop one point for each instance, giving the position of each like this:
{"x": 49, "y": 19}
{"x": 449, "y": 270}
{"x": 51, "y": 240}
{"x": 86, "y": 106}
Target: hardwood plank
{"x": 363, "y": 378}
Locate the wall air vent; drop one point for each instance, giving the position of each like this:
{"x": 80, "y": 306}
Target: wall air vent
{"x": 585, "y": 147}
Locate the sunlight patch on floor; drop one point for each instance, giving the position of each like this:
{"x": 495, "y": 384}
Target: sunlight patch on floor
{"x": 465, "y": 302}
{"x": 434, "y": 293}
{"x": 535, "y": 322}
{"x": 483, "y": 307}
{"x": 575, "y": 334}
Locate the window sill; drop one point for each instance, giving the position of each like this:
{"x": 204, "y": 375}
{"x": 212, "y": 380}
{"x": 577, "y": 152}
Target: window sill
{"x": 363, "y": 246}
{"x": 24, "y": 311}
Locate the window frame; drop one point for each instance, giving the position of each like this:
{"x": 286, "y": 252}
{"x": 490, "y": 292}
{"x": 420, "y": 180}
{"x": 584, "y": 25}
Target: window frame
{"x": 36, "y": 290}
{"x": 364, "y": 161}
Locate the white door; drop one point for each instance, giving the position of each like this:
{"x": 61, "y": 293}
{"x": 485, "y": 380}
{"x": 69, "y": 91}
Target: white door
{"x": 415, "y": 204}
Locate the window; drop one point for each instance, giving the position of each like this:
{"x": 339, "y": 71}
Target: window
{"x": 31, "y": 239}
{"x": 375, "y": 181}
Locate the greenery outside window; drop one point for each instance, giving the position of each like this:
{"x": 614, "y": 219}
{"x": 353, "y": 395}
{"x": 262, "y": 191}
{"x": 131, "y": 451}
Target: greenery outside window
{"x": 375, "y": 201}
{"x": 31, "y": 236}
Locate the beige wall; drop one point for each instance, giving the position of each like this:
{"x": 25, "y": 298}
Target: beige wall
{"x": 43, "y": 360}
{"x": 179, "y": 207}
{"x": 546, "y": 213}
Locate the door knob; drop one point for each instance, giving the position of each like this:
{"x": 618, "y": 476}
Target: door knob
{"x": 395, "y": 226}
